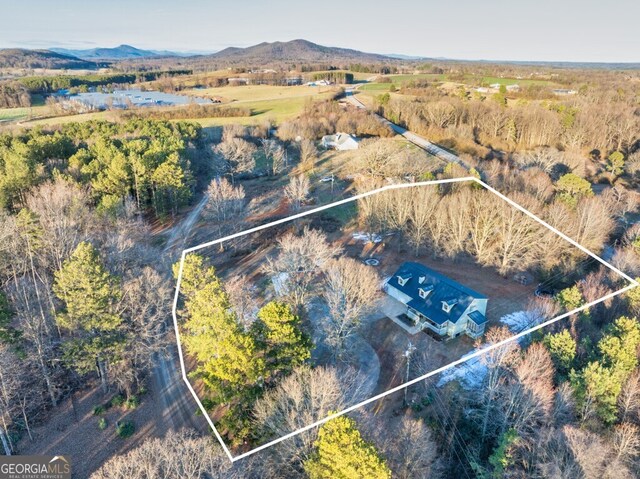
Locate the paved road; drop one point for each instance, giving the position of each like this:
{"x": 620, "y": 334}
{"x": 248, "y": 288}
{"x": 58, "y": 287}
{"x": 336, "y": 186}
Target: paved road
{"x": 417, "y": 140}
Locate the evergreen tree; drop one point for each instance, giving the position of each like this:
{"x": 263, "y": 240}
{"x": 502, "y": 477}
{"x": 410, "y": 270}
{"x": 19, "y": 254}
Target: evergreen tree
{"x": 598, "y": 386}
{"x": 571, "y": 188}
{"x": 562, "y": 348}
{"x": 501, "y": 458}
{"x": 615, "y": 163}
{"x": 279, "y": 333}
{"x": 619, "y": 347}
{"x": 227, "y": 357}
{"x": 195, "y": 274}
{"x": 342, "y": 453}
{"x": 90, "y": 295}
{"x": 171, "y": 186}
{"x": 570, "y": 299}
{"x": 597, "y": 390}
{"x": 633, "y": 295}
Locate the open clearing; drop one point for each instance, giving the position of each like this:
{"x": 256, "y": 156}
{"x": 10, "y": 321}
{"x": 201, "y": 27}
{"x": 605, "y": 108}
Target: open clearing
{"x": 267, "y": 102}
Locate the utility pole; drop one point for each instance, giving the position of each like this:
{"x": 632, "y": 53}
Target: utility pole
{"x": 407, "y": 354}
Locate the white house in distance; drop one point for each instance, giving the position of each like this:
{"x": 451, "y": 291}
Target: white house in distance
{"x": 340, "y": 141}
{"x": 438, "y": 303}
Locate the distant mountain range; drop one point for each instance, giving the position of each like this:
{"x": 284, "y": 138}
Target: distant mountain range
{"x": 294, "y": 51}
{"x": 122, "y": 52}
{"x": 276, "y": 54}
{"x": 22, "y": 58}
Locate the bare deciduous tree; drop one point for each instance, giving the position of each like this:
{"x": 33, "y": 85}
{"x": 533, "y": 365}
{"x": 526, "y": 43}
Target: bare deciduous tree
{"x": 178, "y": 454}
{"x": 239, "y": 290}
{"x": 302, "y": 398}
{"x": 275, "y": 155}
{"x": 239, "y": 155}
{"x": 409, "y": 447}
{"x": 308, "y": 155}
{"x": 299, "y": 260}
{"x": 626, "y": 441}
{"x": 629, "y": 399}
{"x": 225, "y": 205}
{"x": 297, "y": 191}
{"x": 351, "y": 288}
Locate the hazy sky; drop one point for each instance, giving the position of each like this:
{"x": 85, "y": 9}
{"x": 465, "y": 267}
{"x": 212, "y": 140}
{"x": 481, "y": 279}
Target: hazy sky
{"x": 572, "y": 30}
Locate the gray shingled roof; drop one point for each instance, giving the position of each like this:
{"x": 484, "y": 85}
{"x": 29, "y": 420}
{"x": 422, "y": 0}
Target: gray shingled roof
{"x": 444, "y": 290}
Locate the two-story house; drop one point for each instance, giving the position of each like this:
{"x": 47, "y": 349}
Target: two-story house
{"x": 434, "y": 301}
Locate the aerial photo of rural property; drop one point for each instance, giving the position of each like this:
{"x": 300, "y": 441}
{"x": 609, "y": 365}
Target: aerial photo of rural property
{"x": 279, "y": 240}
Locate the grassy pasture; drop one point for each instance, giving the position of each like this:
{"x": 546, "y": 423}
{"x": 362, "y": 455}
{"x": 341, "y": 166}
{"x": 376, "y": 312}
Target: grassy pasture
{"x": 267, "y": 102}
{"x": 19, "y": 114}
{"x": 379, "y": 87}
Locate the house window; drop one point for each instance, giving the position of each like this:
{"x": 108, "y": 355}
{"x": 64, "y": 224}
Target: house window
{"x": 424, "y": 292}
{"x": 473, "y": 327}
{"x": 448, "y": 305}
{"x": 403, "y": 280}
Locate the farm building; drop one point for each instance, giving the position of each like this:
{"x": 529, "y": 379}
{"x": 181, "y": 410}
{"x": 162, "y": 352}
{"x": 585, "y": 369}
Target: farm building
{"x": 438, "y": 303}
{"x": 340, "y": 141}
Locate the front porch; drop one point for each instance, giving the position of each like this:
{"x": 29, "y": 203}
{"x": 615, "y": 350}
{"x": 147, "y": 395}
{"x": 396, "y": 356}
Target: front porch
{"x": 424, "y": 322}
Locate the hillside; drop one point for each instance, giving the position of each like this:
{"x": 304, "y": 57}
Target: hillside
{"x": 295, "y": 51}
{"x": 21, "y": 58}
{"x": 122, "y": 52}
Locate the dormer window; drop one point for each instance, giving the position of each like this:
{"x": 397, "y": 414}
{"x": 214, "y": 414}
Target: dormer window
{"x": 422, "y": 279}
{"x": 403, "y": 279}
{"x": 425, "y": 290}
{"x": 448, "y": 305}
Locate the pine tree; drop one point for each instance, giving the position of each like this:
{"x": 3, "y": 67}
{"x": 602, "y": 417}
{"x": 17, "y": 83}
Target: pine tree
{"x": 227, "y": 358}
{"x": 619, "y": 347}
{"x": 615, "y": 163}
{"x": 171, "y": 186}
{"x": 570, "y": 299}
{"x": 599, "y": 384}
{"x": 562, "y": 348}
{"x": 90, "y": 295}
{"x": 571, "y": 188}
{"x": 195, "y": 274}
{"x": 501, "y": 457}
{"x": 342, "y": 453}
{"x": 597, "y": 390}
{"x": 279, "y": 334}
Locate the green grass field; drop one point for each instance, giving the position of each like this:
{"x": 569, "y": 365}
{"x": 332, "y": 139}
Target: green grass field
{"x": 419, "y": 76}
{"x": 13, "y": 114}
{"x": 18, "y": 114}
{"x": 379, "y": 87}
{"x": 512, "y": 81}
{"x": 274, "y": 103}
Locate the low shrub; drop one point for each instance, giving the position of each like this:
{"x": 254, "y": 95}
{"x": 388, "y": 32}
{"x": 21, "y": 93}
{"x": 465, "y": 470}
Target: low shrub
{"x": 125, "y": 429}
{"x": 132, "y": 402}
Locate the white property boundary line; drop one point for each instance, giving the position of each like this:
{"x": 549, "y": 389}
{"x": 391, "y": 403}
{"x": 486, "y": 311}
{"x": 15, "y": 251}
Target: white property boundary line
{"x": 633, "y": 284}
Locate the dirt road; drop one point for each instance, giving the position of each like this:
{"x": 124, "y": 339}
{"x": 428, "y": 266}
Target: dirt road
{"x": 177, "y": 404}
